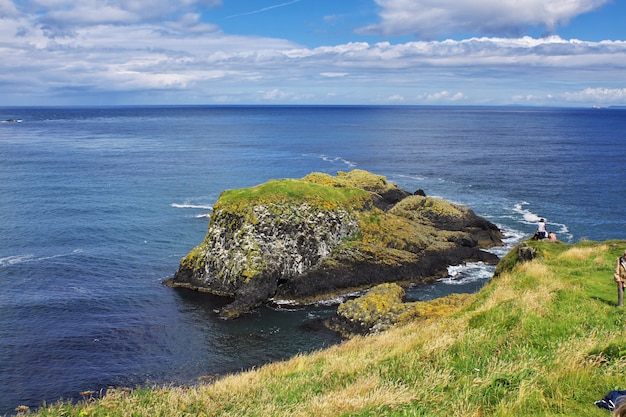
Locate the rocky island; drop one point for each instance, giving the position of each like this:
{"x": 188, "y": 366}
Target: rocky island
{"x": 321, "y": 236}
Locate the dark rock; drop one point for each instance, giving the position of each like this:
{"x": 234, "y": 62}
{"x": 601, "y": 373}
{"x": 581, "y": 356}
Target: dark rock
{"x": 525, "y": 252}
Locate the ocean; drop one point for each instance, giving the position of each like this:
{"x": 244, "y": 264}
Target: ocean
{"x": 98, "y": 205}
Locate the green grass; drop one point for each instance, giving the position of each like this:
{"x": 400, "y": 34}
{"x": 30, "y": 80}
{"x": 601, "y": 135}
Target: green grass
{"x": 543, "y": 338}
{"x": 277, "y": 191}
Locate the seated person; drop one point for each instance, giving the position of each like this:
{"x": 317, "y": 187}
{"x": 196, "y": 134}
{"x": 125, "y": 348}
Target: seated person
{"x": 541, "y": 232}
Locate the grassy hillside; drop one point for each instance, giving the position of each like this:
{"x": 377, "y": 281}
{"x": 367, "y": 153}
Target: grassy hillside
{"x": 543, "y": 338}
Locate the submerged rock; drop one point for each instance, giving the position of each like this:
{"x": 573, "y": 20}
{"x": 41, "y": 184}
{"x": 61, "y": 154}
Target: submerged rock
{"x": 324, "y": 235}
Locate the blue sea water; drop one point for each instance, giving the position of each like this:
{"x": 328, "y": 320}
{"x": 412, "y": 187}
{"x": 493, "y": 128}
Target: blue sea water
{"x": 98, "y": 205}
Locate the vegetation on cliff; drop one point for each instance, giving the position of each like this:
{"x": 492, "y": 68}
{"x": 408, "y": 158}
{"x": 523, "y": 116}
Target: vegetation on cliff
{"x": 276, "y": 192}
{"x": 543, "y": 338}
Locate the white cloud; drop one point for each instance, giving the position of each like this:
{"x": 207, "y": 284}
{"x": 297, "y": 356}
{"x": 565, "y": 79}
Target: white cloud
{"x": 600, "y": 96}
{"x": 395, "y": 98}
{"x": 597, "y": 95}
{"x": 430, "y": 18}
{"x": 280, "y": 96}
{"x": 195, "y": 60}
{"x": 88, "y": 14}
{"x": 334, "y": 74}
{"x": 442, "y": 97}
{"x": 7, "y": 9}
{"x": 62, "y": 17}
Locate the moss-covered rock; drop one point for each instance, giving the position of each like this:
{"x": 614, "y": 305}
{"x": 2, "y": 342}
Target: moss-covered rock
{"x": 382, "y": 307}
{"x": 322, "y": 235}
{"x": 378, "y": 308}
{"x": 383, "y": 193}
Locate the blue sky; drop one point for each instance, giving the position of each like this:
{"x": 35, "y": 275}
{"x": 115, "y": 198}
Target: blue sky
{"x": 430, "y": 52}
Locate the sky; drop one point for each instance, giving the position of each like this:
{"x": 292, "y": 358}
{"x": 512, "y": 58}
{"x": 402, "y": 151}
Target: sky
{"x": 313, "y": 52}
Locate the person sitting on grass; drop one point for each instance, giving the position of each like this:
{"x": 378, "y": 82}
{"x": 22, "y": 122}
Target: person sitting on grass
{"x": 541, "y": 232}
{"x": 552, "y": 236}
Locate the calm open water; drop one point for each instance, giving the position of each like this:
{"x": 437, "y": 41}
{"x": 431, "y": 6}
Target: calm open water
{"x": 98, "y": 205}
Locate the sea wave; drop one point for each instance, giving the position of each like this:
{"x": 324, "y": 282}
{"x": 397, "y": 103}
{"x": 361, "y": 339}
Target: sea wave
{"x": 286, "y": 304}
{"x": 27, "y": 258}
{"x": 16, "y": 259}
{"x": 468, "y": 272}
{"x": 479, "y": 271}
{"x": 331, "y": 159}
{"x": 191, "y": 206}
{"x": 511, "y": 238}
{"x": 528, "y": 217}
{"x": 412, "y": 177}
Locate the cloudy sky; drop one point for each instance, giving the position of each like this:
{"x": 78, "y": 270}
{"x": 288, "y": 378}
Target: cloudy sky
{"x": 462, "y": 52}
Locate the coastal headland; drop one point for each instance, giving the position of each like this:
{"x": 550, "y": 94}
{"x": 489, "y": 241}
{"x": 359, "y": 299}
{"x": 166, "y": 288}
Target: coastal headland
{"x": 321, "y": 236}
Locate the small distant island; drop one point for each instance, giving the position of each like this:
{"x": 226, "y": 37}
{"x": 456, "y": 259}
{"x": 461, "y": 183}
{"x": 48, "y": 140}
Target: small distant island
{"x": 322, "y": 236}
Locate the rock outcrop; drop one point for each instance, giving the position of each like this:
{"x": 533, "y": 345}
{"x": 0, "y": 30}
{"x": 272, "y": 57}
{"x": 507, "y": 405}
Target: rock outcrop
{"x": 382, "y": 307}
{"x": 324, "y": 235}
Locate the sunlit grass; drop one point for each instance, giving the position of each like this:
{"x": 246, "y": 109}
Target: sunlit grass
{"x": 583, "y": 253}
{"x": 544, "y": 338}
{"x": 295, "y": 190}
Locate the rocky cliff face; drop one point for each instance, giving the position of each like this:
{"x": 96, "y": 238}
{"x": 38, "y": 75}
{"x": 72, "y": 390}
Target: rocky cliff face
{"x": 314, "y": 238}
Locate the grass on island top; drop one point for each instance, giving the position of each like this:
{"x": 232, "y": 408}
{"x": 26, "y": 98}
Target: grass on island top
{"x": 279, "y": 191}
{"x": 543, "y": 338}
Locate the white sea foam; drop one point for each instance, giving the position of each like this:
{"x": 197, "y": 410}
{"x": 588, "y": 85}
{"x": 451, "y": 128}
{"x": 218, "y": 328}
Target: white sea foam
{"x": 468, "y": 272}
{"x": 412, "y": 177}
{"x": 340, "y": 299}
{"x": 562, "y": 232}
{"x": 338, "y": 159}
{"x": 21, "y": 259}
{"x": 191, "y": 206}
{"x": 511, "y": 238}
{"x": 479, "y": 271}
{"x": 62, "y": 255}
{"x": 528, "y": 217}
{"x": 285, "y": 304}
{"x": 16, "y": 259}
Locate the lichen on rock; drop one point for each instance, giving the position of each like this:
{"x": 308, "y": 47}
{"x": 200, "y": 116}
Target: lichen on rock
{"x": 323, "y": 235}
{"x": 379, "y": 307}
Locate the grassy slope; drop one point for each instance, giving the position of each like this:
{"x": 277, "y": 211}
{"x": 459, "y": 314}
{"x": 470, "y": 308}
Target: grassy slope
{"x": 542, "y": 339}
